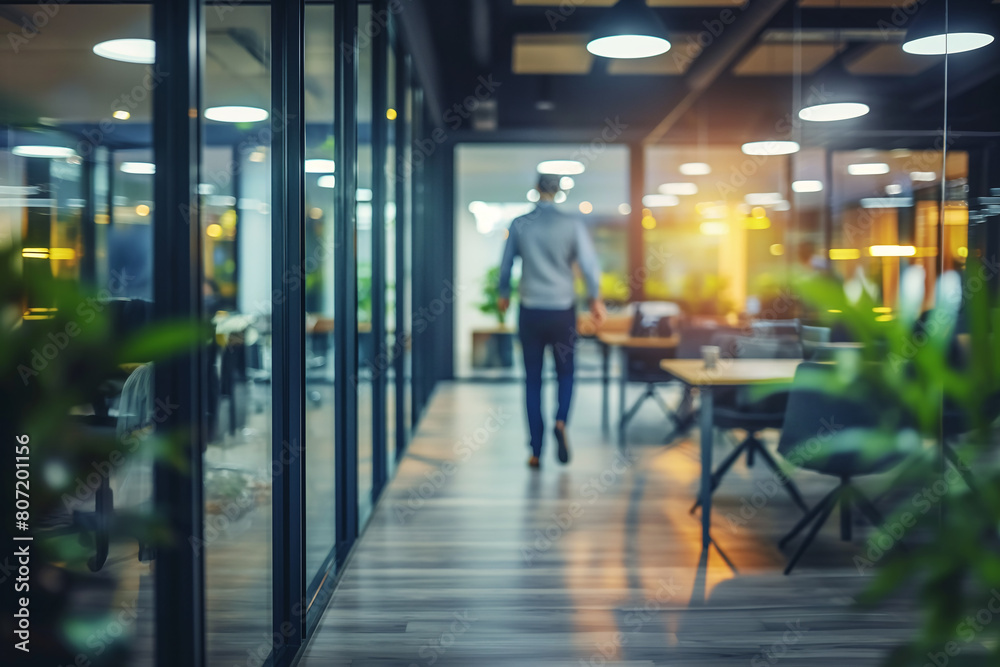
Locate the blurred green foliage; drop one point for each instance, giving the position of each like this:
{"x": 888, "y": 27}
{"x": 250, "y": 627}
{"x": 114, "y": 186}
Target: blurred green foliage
{"x": 914, "y": 366}
{"x": 491, "y": 293}
{"x": 53, "y": 365}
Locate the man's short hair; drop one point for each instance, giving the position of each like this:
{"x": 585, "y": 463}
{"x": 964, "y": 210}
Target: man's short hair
{"x": 548, "y": 184}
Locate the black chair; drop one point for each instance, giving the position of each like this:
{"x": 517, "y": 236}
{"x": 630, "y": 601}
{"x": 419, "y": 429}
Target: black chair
{"x": 813, "y": 341}
{"x": 743, "y": 408}
{"x": 642, "y": 365}
{"x": 808, "y": 441}
{"x": 955, "y": 421}
{"x": 776, "y": 329}
{"x": 126, "y": 317}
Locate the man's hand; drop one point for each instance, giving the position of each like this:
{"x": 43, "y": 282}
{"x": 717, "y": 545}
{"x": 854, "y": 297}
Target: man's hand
{"x": 503, "y": 303}
{"x": 598, "y": 312}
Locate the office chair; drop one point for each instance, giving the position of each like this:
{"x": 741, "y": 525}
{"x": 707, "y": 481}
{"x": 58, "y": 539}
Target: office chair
{"x": 642, "y": 365}
{"x": 740, "y": 408}
{"x": 126, "y": 316}
{"x": 776, "y": 329}
{"x": 954, "y": 419}
{"x": 808, "y": 442}
{"x": 813, "y": 341}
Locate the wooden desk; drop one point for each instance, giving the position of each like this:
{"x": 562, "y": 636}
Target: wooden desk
{"x": 728, "y": 373}
{"x": 622, "y": 339}
{"x": 587, "y": 328}
{"x": 625, "y": 342}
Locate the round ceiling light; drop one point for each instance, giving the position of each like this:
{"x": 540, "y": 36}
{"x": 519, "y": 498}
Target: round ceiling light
{"x": 320, "y": 166}
{"x": 770, "y": 147}
{"x": 141, "y": 51}
{"x": 807, "y": 186}
{"x": 952, "y": 42}
{"x": 629, "y": 30}
{"x": 661, "y": 200}
{"x": 824, "y": 113}
{"x": 678, "y": 189}
{"x": 628, "y": 46}
{"x": 138, "y": 168}
{"x": 561, "y": 167}
{"x": 695, "y": 169}
{"x": 868, "y": 169}
{"x": 235, "y": 114}
{"x": 43, "y": 151}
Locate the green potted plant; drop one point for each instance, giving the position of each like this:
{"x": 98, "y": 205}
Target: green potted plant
{"x": 59, "y": 354}
{"x": 496, "y": 345}
{"x": 946, "y": 558}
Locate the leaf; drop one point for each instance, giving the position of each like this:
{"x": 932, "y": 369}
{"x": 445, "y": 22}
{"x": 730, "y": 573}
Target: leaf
{"x": 161, "y": 341}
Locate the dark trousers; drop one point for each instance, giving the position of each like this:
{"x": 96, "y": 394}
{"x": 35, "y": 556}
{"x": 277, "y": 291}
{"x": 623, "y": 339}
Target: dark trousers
{"x": 539, "y": 329}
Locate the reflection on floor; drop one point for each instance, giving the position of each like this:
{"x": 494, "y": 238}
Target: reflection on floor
{"x": 237, "y": 547}
{"x": 238, "y": 480}
{"x": 473, "y": 559}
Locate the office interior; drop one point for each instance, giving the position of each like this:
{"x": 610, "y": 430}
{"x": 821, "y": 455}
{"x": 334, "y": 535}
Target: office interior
{"x": 275, "y": 417}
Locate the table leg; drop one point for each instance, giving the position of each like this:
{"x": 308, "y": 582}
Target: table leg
{"x": 623, "y": 372}
{"x": 605, "y": 385}
{"x": 706, "y": 466}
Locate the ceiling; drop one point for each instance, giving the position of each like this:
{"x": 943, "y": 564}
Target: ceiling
{"x": 722, "y": 83}
{"x": 56, "y": 80}
{"x": 719, "y": 84}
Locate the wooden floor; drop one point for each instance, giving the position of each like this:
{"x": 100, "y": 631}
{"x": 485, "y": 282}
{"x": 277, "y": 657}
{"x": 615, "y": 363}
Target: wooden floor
{"x": 473, "y": 559}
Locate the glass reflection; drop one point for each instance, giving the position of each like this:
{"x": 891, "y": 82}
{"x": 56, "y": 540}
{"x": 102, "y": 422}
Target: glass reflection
{"x": 236, "y": 288}
{"x": 386, "y": 362}
{"x": 321, "y": 507}
{"x": 67, "y": 216}
{"x": 366, "y": 345}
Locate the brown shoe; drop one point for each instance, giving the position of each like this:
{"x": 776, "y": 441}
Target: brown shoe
{"x": 533, "y": 462}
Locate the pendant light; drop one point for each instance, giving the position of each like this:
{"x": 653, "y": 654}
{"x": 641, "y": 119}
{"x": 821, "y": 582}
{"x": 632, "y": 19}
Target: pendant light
{"x": 630, "y": 29}
{"x": 955, "y": 26}
{"x": 833, "y": 105}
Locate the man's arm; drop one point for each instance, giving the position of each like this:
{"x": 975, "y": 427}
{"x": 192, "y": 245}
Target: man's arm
{"x": 586, "y": 257}
{"x": 506, "y": 264}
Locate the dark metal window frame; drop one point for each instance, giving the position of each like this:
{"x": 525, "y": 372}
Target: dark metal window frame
{"x": 289, "y": 608}
{"x": 380, "y": 140}
{"x": 179, "y": 31}
{"x": 179, "y": 581}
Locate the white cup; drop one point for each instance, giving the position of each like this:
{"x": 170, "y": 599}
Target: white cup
{"x": 710, "y": 353}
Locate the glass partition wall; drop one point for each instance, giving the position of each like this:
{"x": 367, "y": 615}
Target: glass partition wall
{"x": 320, "y": 292}
{"x": 130, "y": 199}
{"x": 77, "y": 221}
{"x": 367, "y": 347}
{"x": 839, "y": 171}
{"x": 236, "y": 221}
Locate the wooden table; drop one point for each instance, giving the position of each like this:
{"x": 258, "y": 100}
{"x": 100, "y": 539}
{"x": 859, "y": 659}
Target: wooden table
{"x": 624, "y": 342}
{"x": 728, "y": 373}
{"x": 587, "y": 328}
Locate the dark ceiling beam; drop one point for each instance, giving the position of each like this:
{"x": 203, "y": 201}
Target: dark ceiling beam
{"x": 533, "y": 19}
{"x": 482, "y": 50}
{"x": 18, "y": 18}
{"x": 417, "y": 36}
{"x": 717, "y": 58}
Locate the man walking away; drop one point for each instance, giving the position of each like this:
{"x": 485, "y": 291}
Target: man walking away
{"x": 549, "y": 242}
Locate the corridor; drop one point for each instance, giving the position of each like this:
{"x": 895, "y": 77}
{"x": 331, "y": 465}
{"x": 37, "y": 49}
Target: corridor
{"x": 471, "y": 558}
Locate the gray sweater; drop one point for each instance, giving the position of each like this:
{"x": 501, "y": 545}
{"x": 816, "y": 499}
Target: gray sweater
{"x": 549, "y": 241}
